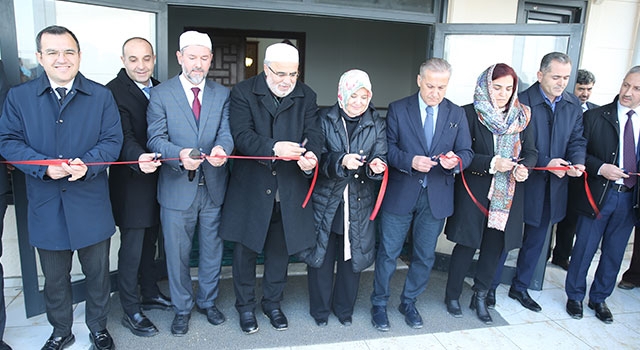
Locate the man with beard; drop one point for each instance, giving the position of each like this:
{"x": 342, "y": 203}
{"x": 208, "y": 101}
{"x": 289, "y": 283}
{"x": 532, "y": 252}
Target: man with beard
{"x": 272, "y": 114}
{"x": 188, "y": 118}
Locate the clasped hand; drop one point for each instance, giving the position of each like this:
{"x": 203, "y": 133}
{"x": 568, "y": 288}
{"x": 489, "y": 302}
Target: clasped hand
{"x": 75, "y": 168}
{"x": 149, "y": 162}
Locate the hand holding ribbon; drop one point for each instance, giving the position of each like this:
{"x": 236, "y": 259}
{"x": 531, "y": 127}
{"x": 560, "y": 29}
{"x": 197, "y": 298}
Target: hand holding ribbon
{"x": 352, "y": 161}
{"x": 217, "y": 158}
{"x": 449, "y": 160}
{"x": 612, "y": 172}
{"x": 149, "y": 162}
{"x": 76, "y": 168}
{"x": 377, "y": 166}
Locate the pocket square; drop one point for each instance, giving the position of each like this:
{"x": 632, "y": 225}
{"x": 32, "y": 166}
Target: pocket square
{"x": 453, "y": 125}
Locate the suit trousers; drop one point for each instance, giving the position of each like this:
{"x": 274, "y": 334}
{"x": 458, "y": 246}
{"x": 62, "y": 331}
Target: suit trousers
{"x": 632, "y": 274}
{"x": 565, "y": 232}
{"x": 326, "y": 292}
{"x": 149, "y": 272}
{"x": 490, "y": 250}
{"x": 3, "y": 313}
{"x": 179, "y": 227}
{"x": 56, "y": 266}
{"x": 426, "y": 230}
{"x": 130, "y": 255}
{"x": 611, "y": 232}
{"x": 276, "y": 262}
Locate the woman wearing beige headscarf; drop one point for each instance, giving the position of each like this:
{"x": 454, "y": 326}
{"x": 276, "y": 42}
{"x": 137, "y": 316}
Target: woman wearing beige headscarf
{"x": 351, "y": 165}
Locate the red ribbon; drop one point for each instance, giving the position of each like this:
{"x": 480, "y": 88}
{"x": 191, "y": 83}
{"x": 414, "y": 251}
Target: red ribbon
{"x": 383, "y": 189}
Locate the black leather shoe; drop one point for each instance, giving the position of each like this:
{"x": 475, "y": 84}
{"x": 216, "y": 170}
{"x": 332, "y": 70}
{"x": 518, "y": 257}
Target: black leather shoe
{"x": 321, "y": 322}
{"x": 214, "y": 316}
{"x": 491, "y": 299}
{"x": 180, "y": 324}
{"x": 277, "y": 318}
{"x": 160, "y": 302}
{"x": 574, "y": 309}
{"x": 525, "y": 299}
{"x": 139, "y": 325}
{"x": 602, "y": 311}
{"x": 56, "y": 343}
{"x": 479, "y": 303}
{"x": 379, "y": 318}
{"x": 4, "y": 346}
{"x": 626, "y": 285}
{"x": 453, "y": 308}
{"x": 411, "y": 315}
{"x": 564, "y": 264}
{"x": 345, "y": 321}
{"x": 248, "y": 322}
{"x": 101, "y": 340}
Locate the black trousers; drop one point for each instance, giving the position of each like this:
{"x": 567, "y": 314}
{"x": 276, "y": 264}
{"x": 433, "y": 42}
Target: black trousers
{"x": 3, "y": 314}
{"x": 333, "y": 293}
{"x": 462, "y": 256}
{"x": 633, "y": 272}
{"x": 136, "y": 258}
{"x": 276, "y": 261}
{"x": 565, "y": 231}
{"x": 56, "y": 266}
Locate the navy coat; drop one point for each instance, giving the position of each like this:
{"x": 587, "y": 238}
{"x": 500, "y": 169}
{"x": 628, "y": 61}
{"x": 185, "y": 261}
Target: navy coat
{"x": 63, "y": 215}
{"x": 406, "y": 139}
{"x": 566, "y": 142}
{"x": 257, "y": 123}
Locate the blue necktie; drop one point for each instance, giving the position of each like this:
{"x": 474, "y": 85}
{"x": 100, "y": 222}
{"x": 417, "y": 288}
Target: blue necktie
{"x": 147, "y": 91}
{"x": 428, "y": 133}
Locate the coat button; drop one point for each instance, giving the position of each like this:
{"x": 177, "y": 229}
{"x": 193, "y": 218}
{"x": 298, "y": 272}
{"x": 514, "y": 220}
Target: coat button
{"x": 420, "y": 181}
{"x": 60, "y": 156}
{"x": 64, "y": 190}
{"x": 268, "y": 191}
{"x": 273, "y": 173}
{"x": 356, "y": 176}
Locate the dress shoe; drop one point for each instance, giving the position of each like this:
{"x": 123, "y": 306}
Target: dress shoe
{"x": 101, "y": 340}
{"x": 574, "y": 309}
{"x": 56, "y": 343}
{"x": 180, "y": 324}
{"x": 214, "y": 316}
{"x": 525, "y": 299}
{"x": 479, "y": 303}
{"x": 321, "y": 322}
{"x": 411, "y": 315}
{"x": 139, "y": 325}
{"x": 453, "y": 308}
{"x": 248, "y": 322}
{"x": 626, "y": 285}
{"x": 4, "y": 346}
{"x": 159, "y": 302}
{"x": 277, "y": 318}
{"x": 564, "y": 264}
{"x": 379, "y": 318}
{"x": 602, "y": 311}
{"x": 345, "y": 321}
{"x": 491, "y": 299}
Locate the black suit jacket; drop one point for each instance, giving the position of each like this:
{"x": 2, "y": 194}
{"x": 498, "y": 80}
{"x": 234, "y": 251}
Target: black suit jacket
{"x": 4, "y": 89}
{"x": 133, "y": 193}
{"x": 591, "y": 106}
{"x": 602, "y": 132}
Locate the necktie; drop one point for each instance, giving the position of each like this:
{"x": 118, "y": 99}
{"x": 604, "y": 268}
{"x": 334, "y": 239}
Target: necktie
{"x": 196, "y": 103}
{"x": 629, "y": 145}
{"x": 62, "y": 92}
{"x": 428, "y": 126}
{"x": 147, "y": 91}
{"x": 428, "y": 134}
{"x": 584, "y": 107}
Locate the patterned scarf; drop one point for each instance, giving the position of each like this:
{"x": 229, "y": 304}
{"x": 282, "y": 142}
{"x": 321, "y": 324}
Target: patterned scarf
{"x": 506, "y": 127}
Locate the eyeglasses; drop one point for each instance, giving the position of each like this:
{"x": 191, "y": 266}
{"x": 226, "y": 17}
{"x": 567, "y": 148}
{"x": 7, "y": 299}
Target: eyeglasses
{"x": 282, "y": 75}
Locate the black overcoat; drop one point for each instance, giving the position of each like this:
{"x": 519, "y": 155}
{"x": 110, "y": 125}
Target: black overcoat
{"x": 468, "y": 223}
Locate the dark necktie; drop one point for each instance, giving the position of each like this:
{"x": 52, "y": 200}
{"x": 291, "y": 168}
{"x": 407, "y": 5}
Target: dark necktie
{"x": 428, "y": 134}
{"x": 196, "y": 103}
{"x": 62, "y": 92}
{"x": 147, "y": 91}
{"x": 629, "y": 145}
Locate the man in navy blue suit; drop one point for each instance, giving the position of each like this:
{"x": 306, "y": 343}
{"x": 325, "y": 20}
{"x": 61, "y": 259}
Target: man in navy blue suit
{"x": 612, "y": 153}
{"x": 426, "y": 133}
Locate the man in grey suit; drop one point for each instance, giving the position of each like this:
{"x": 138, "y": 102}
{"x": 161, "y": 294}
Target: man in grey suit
{"x": 188, "y": 118}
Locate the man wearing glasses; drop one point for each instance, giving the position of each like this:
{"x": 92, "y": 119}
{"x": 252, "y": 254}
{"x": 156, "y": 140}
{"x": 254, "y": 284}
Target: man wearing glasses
{"x": 271, "y": 114}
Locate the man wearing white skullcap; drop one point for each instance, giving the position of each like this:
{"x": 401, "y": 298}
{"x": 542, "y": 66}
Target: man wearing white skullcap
{"x": 272, "y": 114}
{"x": 191, "y": 190}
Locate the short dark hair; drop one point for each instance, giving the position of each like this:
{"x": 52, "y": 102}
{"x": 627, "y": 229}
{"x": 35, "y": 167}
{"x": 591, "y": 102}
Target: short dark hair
{"x": 136, "y": 38}
{"x": 553, "y": 56}
{"x": 585, "y": 77}
{"x": 54, "y": 30}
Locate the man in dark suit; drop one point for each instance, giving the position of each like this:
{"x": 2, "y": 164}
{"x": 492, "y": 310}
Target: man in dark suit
{"x": 69, "y": 208}
{"x": 272, "y": 114}
{"x": 557, "y": 117}
{"x": 4, "y": 192}
{"x": 566, "y": 229}
{"x": 426, "y": 133}
{"x": 188, "y": 116}
{"x": 612, "y": 162}
{"x": 133, "y": 190}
